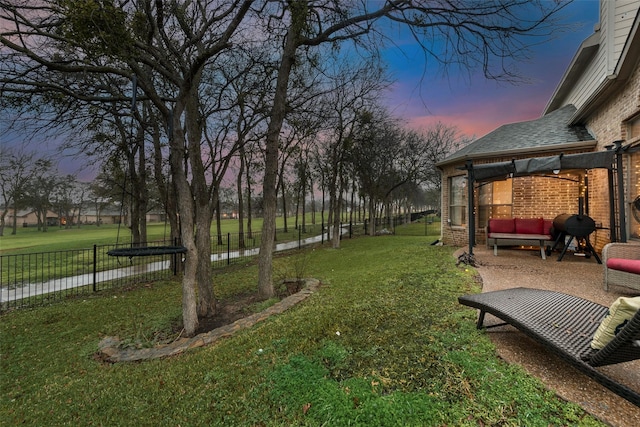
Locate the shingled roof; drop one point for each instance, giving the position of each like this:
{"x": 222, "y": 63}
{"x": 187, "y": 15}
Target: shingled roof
{"x": 548, "y": 132}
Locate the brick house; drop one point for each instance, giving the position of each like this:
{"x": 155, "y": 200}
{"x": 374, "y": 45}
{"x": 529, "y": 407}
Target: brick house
{"x": 595, "y": 108}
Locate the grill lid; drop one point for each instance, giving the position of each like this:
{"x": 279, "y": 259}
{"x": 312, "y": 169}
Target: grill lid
{"x": 574, "y": 225}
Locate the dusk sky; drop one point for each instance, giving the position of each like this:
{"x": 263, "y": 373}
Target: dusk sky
{"x": 471, "y": 103}
{"x": 477, "y": 106}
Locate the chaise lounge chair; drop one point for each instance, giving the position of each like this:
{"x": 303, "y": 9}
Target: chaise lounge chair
{"x": 566, "y": 325}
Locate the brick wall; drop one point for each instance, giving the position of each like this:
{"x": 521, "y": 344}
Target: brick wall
{"x": 546, "y": 197}
{"x": 533, "y": 197}
{"x": 599, "y": 207}
{"x": 536, "y": 196}
{"x": 608, "y": 124}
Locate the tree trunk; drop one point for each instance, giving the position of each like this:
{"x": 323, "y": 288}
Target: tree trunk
{"x": 297, "y": 209}
{"x": 168, "y": 195}
{"x": 372, "y": 217}
{"x": 322, "y": 206}
{"x": 330, "y": 216}
{"x": 284, "y": 201}
{"x": 43, "y": 220}
{"x": 338, "y": 212}
{"x": 265, "y": 284}
{"x": 14, "y": 226}
{"x": 3, "y": 216}
{"x": 185, "y": 203}
{"x": 134, "y": 207}
{"x": 249, "y": 205}
{"x": 352, "y": 203}
{"x": 313, "y": 203}
{"x": 202, "y": 213}
{"x": 241, "y": 244}
{"x": 303, "y": 193}
{"x": 143, "y": 192}
{"x": 218, "y": 221}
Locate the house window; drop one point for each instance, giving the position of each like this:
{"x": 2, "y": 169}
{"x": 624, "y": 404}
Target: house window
{"x": 634, "y": 187}
{"x": 633, "y": 127}
{"x": 458, "y": 200}
{"x": 495, "y": 200}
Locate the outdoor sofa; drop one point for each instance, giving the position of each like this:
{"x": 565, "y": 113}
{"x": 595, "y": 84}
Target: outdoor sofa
{"x": 566, "y": 325}
{"x": 517, "y": 231}
{"x": 621, "y": 265}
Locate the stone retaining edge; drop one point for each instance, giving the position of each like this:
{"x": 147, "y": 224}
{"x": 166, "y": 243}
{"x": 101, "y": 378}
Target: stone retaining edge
{"x": 109, "y": 347}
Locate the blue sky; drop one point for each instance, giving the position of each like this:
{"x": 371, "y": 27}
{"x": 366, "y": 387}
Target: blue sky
{"x": 477, "y": 106}
{"x": 469, "y": 102}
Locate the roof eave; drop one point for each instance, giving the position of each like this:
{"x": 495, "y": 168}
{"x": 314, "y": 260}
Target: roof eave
{"x": 576, "y": 68}
{"x": 624, "y": 68}
{"x": 556, "y": 148}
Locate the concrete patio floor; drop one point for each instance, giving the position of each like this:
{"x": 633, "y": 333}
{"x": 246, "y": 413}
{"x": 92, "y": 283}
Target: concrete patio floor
{"x": 573, "y": 275}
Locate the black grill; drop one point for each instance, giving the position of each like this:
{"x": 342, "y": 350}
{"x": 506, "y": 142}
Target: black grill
{"x": 574, "y": 225}
{"x": 578, "y": 226}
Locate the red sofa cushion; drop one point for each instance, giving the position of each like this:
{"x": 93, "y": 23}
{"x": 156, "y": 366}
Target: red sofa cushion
{"x": 497, "y": 225}
{"x": 547, "y": 226}
{"x": 529, "y": 226}
{"x": 622, "y": 264}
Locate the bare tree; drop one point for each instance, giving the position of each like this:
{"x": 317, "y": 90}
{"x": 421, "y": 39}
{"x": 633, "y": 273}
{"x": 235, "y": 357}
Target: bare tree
{"x": 68, "y": 196}
{"x": 42, "y": 184}
{"x": 168, "y": 50}
{"x": 440, "y": 140}
{"x": 484, "y": 35}
{"x": 171, "y": 46}
{"x": 355, "y": 86}
{"x": 15, "y": 172}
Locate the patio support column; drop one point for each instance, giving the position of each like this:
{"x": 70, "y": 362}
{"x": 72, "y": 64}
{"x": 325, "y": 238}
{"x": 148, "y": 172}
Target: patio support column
{"x": 621, "y": 207}
{"x": 470, "y": 205}
{"x": 612, "y": 209}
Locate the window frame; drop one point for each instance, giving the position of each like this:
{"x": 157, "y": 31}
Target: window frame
{"x": 492, "y": 209}
{"x": 458, "y": 201}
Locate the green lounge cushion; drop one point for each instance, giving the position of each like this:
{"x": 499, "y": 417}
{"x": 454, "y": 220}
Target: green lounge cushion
{"x": 619, "y": 314}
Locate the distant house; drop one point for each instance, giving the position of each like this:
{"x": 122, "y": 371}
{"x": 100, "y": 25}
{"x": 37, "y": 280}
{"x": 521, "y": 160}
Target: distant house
{"x": 594, "y": 109}
{"x": 89, "y": 215}
{"x": 28, "y": 217}
{"x": 111, "y": 215}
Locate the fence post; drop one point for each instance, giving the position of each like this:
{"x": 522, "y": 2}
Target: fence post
{"x": 95, "y": 265}
{"x": 228, "y": 248}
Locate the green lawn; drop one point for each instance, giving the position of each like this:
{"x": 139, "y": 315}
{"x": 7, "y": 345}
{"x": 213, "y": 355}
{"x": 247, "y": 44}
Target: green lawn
{"x": 29, "y": 239}
{"x": 383, "y": 342}
{"x": 62, "y": 252}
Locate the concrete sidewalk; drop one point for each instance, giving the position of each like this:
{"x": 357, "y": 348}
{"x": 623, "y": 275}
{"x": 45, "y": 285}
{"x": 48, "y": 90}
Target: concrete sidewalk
{"x": 65, "y": 283}
{"x": 573, "y": 275}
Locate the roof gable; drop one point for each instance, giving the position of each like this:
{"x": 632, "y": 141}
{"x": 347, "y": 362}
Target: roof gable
{"x": 551, "y": 132}
{"x": 604, "y": 62}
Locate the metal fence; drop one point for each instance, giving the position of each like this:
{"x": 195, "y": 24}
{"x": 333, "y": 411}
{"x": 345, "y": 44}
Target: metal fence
{"x": 427, "y": 225}
{"x": 40, "y": 278}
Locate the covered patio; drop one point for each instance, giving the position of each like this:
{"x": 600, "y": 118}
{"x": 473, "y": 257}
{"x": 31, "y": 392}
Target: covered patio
{"x": 576, "y": 276}
{"x": 551, "y": 166}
